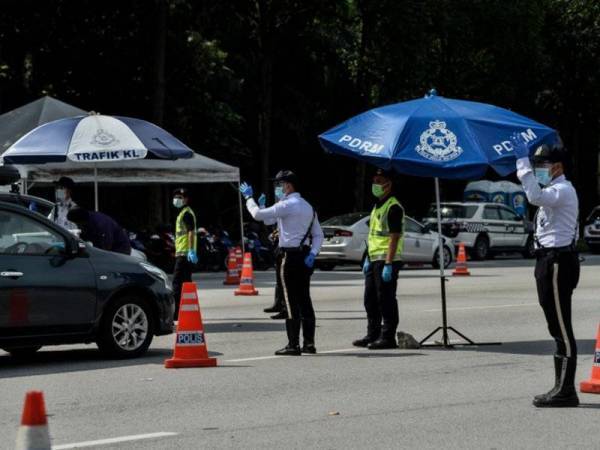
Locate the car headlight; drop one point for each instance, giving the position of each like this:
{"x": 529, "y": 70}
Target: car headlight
{"x": 160, "y": 274}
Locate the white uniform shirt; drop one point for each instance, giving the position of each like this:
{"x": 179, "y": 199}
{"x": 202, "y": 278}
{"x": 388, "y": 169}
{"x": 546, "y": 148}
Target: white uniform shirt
{"x": 60, "y": 215}
{"x": 293, "y": 215}
{"x": 556, "y": 220}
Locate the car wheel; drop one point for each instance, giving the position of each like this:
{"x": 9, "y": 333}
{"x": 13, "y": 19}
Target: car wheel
{"x": 326, "y": 267}
{"x": 529, "y": 251}
{"x": 126, "y": 329}
{"x": 22, "y": 352}
{"x": 481, "y": 249}
{"x": 447, "y": 258}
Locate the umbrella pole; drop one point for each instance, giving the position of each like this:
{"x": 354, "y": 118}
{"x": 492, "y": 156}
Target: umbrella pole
{"x": 241, "y": 218}
{"x": 445, "y": 343}
{"x": 95, "y": 188}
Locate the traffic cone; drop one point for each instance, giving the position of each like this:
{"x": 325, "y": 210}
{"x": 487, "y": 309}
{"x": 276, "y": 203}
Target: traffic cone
{"x": 239, "y": 256}
{"x": 233, "y": 271}
{"x": 592, "y": 386}
{"x": 247, "y": 280}
{"x": 461, "y": 262}
{"x": 190, "y": 343}
{"x": 33, "y": 432}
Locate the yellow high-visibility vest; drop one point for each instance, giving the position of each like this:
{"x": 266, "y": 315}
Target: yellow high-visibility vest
{"x": 379, "y": 232}
{"x": 182, "y": 244}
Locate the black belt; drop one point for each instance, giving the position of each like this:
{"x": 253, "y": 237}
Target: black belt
{"x": 294, "y": 249}
{"x": 549, "y": 250}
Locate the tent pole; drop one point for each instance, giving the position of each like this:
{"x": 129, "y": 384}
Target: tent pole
{"x": 444, "y": 328}
{"x": 241, "y": 218}
{"x": 96, "y": 188}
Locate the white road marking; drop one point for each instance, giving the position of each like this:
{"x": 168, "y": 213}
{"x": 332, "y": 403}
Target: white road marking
{"x": 260, "y": 358}
{"x": 466, "y": 308}
{"x": 136, "y": 437}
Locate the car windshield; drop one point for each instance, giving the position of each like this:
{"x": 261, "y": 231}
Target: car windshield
{"x": 453, "y": 211}
{"x": 345, "y": 220}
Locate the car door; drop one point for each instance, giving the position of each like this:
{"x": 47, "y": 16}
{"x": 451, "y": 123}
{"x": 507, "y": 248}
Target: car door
{"x": 412, "y": 242}
{"x": 494, "y": 225}
{"x": 515, "y": 233}
{"x": 42, "y": 289}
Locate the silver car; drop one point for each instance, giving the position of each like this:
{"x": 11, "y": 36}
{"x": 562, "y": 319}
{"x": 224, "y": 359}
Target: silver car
{"x": 346, "y": 242}
{"x": 591, "y": 230}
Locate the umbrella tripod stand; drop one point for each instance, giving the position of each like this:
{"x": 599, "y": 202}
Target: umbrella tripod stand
{"x": 445, "y": 342}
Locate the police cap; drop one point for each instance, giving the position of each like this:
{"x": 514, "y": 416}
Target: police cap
{"x": 554, "y": 153}
{"x": 389, "y": 174}
{"x": 181, "y": 191}
{"x": 65, "y": 182}
{"x": 287, "y": 176}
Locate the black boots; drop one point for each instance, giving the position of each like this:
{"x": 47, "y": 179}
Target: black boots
{"x": 382, "y": 344}
{"x": 308, "y": 333}
{"x": 563, "y": 394}
{"x": 292, "y": 326}
{"x": 289, "y": 350}
{"x": 364, "y": 342}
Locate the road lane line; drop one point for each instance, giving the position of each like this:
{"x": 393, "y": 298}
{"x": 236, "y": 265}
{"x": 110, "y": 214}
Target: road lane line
{"x": 135, "y": 437}
{"x": 261, "y": 358}
{"x": 466, "y": 308}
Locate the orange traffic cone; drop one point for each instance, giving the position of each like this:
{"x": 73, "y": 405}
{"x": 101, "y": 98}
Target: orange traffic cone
{"x": 239, "y": 256}
{"x": 190, "y": 343}
{"x": 592, "y": 386}
{"x": 247, "y": 280}
{"x": 233, "y": 271}
{"x": 461, "y": 262}
{"x": 33, "y": 432}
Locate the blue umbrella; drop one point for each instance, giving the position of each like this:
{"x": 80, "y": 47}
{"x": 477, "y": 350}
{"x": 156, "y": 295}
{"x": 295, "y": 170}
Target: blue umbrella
{"x": 95, "y": 139}
{"x": 441, "y": 138}
{"x": 436, "y": 137}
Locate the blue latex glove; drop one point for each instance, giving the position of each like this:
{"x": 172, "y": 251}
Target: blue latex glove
{"x": 386, "y": 274}
{"x": 262, "y": 200}
{"x": 520, "y": 146}
{"x": 366, "y": 265}
{"x": 246, "y": 190}
{"x": 309, "y": 260}
{"x": 192, "y": 256}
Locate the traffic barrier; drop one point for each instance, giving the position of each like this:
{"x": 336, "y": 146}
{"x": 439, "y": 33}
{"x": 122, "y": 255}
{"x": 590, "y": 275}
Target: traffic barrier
{"x": 247, "y": 280}
{"x": 190, "y": 342}
{"x": 233, "y": 271}
{"x": 461, "y": 262}
{"x": 33, "y": 432}
{"x": 592, "y": 386}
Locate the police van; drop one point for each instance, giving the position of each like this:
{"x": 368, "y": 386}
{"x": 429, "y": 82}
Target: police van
{"x": 484, "y": 228}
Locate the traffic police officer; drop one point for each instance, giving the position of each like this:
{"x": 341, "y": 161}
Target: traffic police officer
{"x": 557, "y": 266}
{"x": 298, "y": 225}
{"x": 381, "y": 266}
{"x": 64, "y": 191}
{"x": 185, "y": 244}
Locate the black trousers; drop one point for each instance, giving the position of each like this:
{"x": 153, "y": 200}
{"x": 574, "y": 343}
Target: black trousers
{"x": 381, "y": 303}
{"x": 556, "y": 276}
{"x": 182, "y": 273}
{"x": 295, "y": 280}
{"x": 279, "y": 299}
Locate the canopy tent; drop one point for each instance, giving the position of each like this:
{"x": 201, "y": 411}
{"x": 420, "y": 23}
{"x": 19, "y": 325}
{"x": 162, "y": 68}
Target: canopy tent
{"x": 198, "y": 169}
{"x": 18, "y": 122}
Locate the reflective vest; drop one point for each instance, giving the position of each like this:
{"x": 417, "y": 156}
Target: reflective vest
{"x": 181, "y": 234}
{"x": 379, "y": 232}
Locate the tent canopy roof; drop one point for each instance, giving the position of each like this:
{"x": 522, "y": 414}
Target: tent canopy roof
{"x": 18, "y": 122}
{"x": 199, "y": 169}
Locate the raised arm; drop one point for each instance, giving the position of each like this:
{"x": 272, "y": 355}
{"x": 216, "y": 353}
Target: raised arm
{"x": 548, "y": 196}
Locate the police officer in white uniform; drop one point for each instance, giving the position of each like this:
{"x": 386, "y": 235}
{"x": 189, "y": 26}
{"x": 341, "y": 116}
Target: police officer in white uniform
{"x": 63, "y": 192}
{"x": 300, "y": 240}
{"x": 557, "y": 266}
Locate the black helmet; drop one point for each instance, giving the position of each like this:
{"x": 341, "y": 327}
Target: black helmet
{"x": 286, "y": 175}
{"x": 554, "y": 153}
{"x": 181, "y": 191}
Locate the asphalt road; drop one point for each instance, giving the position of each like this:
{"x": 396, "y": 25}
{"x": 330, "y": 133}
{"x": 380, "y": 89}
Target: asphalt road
{"x": 470, "y": 397}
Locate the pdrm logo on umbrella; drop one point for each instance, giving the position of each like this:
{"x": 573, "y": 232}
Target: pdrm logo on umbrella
{"x": 367, "y": 146}
{"x": 438, "y": 143}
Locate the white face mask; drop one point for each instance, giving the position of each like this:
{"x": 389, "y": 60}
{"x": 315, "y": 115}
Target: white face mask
{"x": 60, "y": 195}
{"x": 178, "y": 202}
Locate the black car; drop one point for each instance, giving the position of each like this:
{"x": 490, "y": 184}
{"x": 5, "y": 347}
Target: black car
{"x": 55, "y": 289}
{"x": 36, "y": 204}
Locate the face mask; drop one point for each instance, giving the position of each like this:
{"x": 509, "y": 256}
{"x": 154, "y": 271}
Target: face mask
{"x": 60, "y": 195}
{"x": 178, "y": 203}
{"x": 542, "y": 175}
{"x": 279, "y": 194}
{"x": 377, "y": 190}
